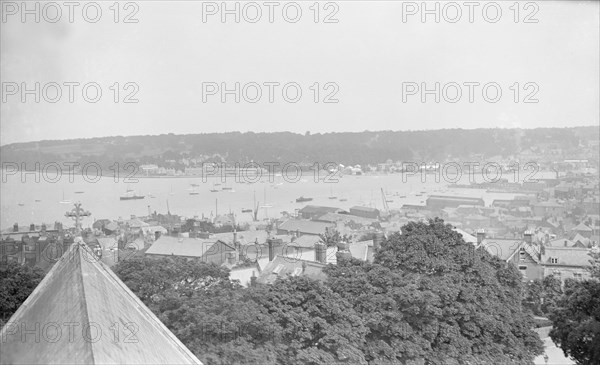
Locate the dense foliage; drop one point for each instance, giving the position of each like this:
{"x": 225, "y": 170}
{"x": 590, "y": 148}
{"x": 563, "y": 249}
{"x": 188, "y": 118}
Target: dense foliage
{"x": 428, "y": 298}
{"x": 576, "y": 318}
{"x": 16, "y": 283}
{"x": 345, "y": 148}
{"x": 541, "y": 295}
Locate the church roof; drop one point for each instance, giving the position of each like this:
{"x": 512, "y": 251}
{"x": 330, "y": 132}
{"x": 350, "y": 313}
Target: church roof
{"x": 82, "y": 313}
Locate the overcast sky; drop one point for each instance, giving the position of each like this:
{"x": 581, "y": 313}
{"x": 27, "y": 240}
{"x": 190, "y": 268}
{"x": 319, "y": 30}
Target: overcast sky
{"x": 369, "y": 53}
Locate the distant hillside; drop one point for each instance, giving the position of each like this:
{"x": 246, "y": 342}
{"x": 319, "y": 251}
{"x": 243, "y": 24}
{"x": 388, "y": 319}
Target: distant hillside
{"x": 346, "y": 148}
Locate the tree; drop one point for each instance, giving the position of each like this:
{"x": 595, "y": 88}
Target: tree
{"x": 541, "y": 295}
{"x": 576, "y": 322}
{"x": 314, "y": 324}
{"x": 296, "y": 320}
{"x": 16, "y": 284}
{"x": 332, "y": 237}
{"x": 576, "y": 317}
{"x": 429, "y": 297}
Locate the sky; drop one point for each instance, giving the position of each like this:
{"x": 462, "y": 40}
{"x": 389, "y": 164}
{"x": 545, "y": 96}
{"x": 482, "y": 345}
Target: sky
{"x": 376, "y": 63}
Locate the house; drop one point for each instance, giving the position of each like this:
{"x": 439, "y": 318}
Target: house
{"x": 208, "y": 250}
{"x": 365, "y": 212}
{"x": 523, "y": 253}
{"x": 566, "y": 262}
{"x": 563, "y": 242}
{"x": 548, "y": 209}
{"x": 347, "y": 219}
{"x": 281, "y": 267}
{"x": 76, "y": 295}
{"x": 302, "y": 227}
{"x": 316, "y": 211}
{"x": 583, "y": 230}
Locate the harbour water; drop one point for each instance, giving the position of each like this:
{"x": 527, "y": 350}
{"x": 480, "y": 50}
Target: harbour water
{"x": 29, "y": 201}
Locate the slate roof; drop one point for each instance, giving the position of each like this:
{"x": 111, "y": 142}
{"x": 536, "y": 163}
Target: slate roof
{"x": 282, "y": 266}
{"x": 567, "y": 256}
{"x": 305, "y": 226}
{"x": 188, "y": 247}
{"x": 316, "y": 209}
{"x": 582, "y": 228}
{"x": 501, "y": 247}
{"x": 81, "y": 290}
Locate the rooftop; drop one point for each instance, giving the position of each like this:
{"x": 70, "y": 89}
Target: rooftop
{"x": 81, "y": 290}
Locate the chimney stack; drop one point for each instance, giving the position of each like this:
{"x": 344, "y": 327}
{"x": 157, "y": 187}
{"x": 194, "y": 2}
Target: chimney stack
{"x": 16, "y": 227}
{"x": 343, "y": 252}
{"x": 528, "y": 237}
{"x": 565, "y": 243}
{"x": 271, "y": 249}
{"x": 480, "y": 236}
{"x": 231, "y": 258}
{"x": 253, "y": 279}
{"x": 320, "y": 252}
{"x": 43, "y": 229}
{"x": 377, "y": 241}
{"x": 31, "y": 227}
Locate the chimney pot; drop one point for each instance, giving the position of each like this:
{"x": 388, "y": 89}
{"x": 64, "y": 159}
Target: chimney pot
{"x": 271, "y": 244}
{"x": 480, "y": 236}
{"x": 32, "y": 227}
{"x": 528, "y": 236}
{"x": 320, "y": 252}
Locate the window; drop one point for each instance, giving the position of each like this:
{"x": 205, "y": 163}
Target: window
{"x": 522, "y": 267}
{"x": 278, "y": 269}
{"x": 297, "y": 271}
{"x": 554, "y": 260}
{"x": 577, "y": 275}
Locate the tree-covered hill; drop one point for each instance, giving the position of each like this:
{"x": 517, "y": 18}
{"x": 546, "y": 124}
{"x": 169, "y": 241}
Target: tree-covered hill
{"x": 345, "y": 148}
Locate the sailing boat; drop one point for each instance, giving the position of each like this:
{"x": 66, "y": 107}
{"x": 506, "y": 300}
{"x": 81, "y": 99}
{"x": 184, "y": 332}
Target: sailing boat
{"x": 266, "y": 205}
{"x": 131, "y": 195}
{"x": 331, "y": 196}
{"x": 65, "y": 201}
{"x": 214, "y": 189}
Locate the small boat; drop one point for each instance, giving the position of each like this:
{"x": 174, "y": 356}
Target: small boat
{"x": 303, "y": 199}
{"x": 332, "y": 197}
{"x": 79, "y": 192}
{"x": 226, "y": 188}
{"x": 21, "y": 204}
{"x": 389, "y": 201}
{"x": 194, "y": 193}
{"x": 246, "y": 210}
{"x": 65, "y": 201}
{"x": 214, "y": 190}
{"x": 195, "y": 185}
{"x": 37, "y": 200}
{"x": 131, "y": 195}
{"x": 343, "y": 199}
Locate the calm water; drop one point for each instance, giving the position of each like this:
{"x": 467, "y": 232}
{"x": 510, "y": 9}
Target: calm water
{"x": 18, "y": 199}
